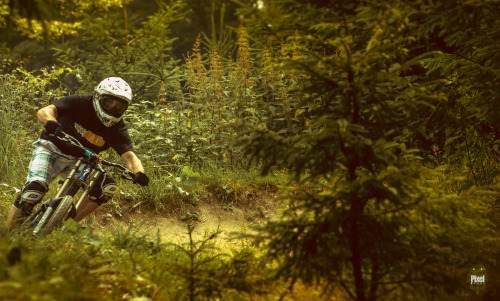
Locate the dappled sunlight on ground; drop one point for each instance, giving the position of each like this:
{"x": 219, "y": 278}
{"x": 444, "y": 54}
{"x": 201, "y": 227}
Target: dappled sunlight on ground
{"x": 208, "y": 218}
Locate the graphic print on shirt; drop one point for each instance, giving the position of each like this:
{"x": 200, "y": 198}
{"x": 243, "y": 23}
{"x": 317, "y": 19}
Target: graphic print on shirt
{"x": 91, "y": 137}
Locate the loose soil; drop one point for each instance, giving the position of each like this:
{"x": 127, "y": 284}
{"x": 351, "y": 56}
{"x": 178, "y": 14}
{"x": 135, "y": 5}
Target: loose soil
{"x": 210, "y": 217}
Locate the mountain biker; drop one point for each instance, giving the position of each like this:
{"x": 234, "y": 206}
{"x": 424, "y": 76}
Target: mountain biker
{"x": 96, "y": 122}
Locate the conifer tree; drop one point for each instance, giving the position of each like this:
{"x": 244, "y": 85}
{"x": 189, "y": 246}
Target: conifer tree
{"x": 366, "y": 217}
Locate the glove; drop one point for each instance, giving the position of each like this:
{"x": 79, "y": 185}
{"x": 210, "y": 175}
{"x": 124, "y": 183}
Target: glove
{"x": 141, "y": 179}
{"x": 52, "y": 127}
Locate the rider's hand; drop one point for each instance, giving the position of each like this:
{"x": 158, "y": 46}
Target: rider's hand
{"x": 52, "y": 127}
{"x": 141, "y": 179}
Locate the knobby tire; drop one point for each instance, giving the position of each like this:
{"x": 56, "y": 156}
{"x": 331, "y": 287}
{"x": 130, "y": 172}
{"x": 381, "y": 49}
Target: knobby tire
{"x": 59, "y": 214}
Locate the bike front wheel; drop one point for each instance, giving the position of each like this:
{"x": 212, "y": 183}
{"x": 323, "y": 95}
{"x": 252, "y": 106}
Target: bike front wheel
{"x": 60, "y": 213}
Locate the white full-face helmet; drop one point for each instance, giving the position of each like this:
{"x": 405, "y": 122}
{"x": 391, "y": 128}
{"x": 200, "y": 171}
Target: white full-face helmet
{"x": 111, "y": 98}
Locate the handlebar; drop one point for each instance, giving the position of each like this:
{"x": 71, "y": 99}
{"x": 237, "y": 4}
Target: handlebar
{"x": 126, "y": 174}
{"x": 91, "y": 156}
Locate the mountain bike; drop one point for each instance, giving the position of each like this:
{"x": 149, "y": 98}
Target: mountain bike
{"x": 83, "y": 175}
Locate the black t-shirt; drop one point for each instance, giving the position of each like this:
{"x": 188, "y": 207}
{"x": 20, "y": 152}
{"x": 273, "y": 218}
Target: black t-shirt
{"x": 77, "y": 117}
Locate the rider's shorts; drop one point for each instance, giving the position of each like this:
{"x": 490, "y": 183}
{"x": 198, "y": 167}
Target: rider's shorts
{"x": 47, "y": 162}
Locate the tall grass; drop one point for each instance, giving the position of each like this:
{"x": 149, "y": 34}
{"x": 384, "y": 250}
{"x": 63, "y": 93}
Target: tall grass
{"x": 22, "y": 93}
{"x": 13, "y": 138}
{"x": 180, "y": 192}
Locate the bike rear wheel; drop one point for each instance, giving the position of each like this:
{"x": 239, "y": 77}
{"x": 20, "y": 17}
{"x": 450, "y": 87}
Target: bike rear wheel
{"x": 59, "y": 214}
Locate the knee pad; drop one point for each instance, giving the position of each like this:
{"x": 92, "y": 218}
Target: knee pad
{"x": 104, "y": 189}
{"x": 30, "y": 196}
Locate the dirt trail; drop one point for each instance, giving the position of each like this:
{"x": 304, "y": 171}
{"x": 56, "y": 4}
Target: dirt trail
{"x": 210, "y": 218}
{"x": 228, "y": 222}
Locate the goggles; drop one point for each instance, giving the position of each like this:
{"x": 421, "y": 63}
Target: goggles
{"x": 113, "y": 106}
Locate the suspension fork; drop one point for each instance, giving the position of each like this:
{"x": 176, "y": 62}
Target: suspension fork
{"x": 68, "y": 181}
{"x": 86, "y": 192}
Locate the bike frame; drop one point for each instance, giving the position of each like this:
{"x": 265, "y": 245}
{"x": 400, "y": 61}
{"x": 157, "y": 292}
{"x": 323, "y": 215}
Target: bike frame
{"x": 87, "y": 180}
{"x": 94, "y": 172}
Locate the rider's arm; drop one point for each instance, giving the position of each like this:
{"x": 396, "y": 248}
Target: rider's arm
{"x": 131, "y": 161}
{"x": 47, "y": 113}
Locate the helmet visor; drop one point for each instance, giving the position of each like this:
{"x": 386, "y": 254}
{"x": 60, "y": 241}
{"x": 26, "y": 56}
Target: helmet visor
{"x": 113, "y": 106}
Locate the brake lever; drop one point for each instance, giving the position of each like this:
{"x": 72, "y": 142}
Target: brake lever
{"x": 64, "y": 137}
{"x": 127, "y": 175}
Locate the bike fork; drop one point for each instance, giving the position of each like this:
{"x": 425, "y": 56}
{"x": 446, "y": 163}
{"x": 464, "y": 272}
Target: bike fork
{"x": 43, "y": 220}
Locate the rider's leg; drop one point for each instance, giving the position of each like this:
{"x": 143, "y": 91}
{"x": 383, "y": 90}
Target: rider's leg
{"x": 12, "y": 217}
{"x": 46, "y": 163}
{"x": 31, "y": 195}
{"x": 102, "y": 192}
{"x": 87, "y": 208}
